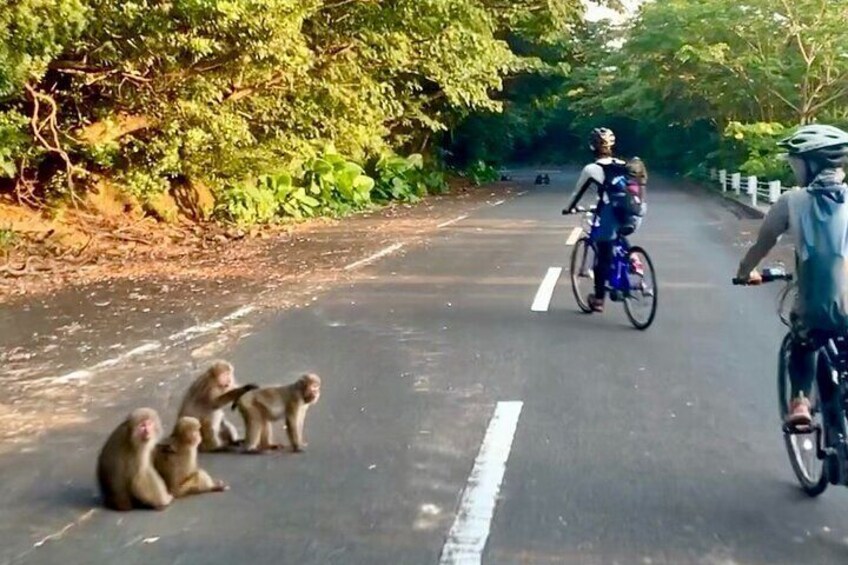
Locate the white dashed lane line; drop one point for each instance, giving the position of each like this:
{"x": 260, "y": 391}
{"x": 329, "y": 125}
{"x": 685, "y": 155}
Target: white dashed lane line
{"x": 455, "y": 220}
{"x": 371, "y": 258}
{"x": 470, "y": 531}
{"x": 182, "y": 336}
{"x": 546, "y": 290}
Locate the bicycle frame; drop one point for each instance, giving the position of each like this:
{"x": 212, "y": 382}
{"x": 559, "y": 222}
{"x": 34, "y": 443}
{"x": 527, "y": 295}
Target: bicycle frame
{"x": 832, "y": 443}
{"x": 619, "y": 269}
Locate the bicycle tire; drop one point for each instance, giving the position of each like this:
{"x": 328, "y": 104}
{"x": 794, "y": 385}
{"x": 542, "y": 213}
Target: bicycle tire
{"x": 582, "y": 245}
{"x": 648, "y": 265}
{"x": 811, "y": 485}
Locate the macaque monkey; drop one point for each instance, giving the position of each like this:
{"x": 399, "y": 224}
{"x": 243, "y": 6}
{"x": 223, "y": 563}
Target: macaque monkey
{"x": 261, "y": 407}
{"x": 176, "y": 462}
{"x": 205, "y": 400}
{"x": 125, "y": 472}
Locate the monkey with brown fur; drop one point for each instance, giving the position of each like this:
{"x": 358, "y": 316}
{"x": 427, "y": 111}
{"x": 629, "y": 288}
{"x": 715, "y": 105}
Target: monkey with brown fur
{"x": 176, "y": 462}
{"x": 261, "y": 407}
{"x": 205, "y": 399}
{"x": 125, "y": 472}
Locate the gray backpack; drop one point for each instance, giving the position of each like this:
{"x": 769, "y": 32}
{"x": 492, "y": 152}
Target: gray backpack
{"x": 821, "y": 253}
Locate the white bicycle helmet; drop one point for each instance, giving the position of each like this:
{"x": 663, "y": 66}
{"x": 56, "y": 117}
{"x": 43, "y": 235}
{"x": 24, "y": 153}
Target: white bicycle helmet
{"x": 601, "y": 138}
{"x": 823, "y": 143}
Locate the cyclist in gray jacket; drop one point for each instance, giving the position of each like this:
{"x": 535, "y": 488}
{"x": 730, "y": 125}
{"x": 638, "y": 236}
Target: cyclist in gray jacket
{"x": 593, "y": 176}
{"x": 816, "y": 218}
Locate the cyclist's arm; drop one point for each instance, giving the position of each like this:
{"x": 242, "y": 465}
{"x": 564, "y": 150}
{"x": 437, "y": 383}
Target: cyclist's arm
{"x": 591, "y": 174}
{"x": 775, "y": 224}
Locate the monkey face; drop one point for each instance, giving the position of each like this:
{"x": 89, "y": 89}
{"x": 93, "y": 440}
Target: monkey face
{"x": 192, "y": 437}
{"x": 188, "y": 430}
{"x": 146, "y": 429}
{"x": 310, "y": 388}
{"x": 225, "y": 380}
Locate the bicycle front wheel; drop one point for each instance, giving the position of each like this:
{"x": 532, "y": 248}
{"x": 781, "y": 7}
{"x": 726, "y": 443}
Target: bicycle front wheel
{"x": 640, "y": 303}
{"x": 583, "y": 259}
{"x": 801, "y": 447}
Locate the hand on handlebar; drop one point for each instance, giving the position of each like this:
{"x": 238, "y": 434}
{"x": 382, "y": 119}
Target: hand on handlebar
{"x": 755, "y": 278}
{"x": 575, "y": 210}
{"x": 769, "y": 275}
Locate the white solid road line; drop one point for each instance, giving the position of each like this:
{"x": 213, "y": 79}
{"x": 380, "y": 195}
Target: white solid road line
{"x": 195, "y": 331}
{"x": 546, "y": 290}
{"x": 187, "y": 334}
{"x": 574, "y": 236}
{"x": 455, "y": 220}
{"x": 470, "y": 531}
{"x": 370, "y": 259}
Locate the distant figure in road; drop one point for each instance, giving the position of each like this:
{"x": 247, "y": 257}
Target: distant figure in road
{"x": 598, "y": 175}
{"x": 817, "y": 220}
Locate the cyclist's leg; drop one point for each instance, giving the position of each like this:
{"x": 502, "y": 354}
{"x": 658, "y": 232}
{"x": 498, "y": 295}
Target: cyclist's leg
{"x": 602, "y": 268}
{"x": 802, "y": 367}
{"x": 802, "y": 371}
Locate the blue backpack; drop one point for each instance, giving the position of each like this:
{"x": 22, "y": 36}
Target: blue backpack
{"x": 624, "y": 186}
{"x": 821, "y": 252}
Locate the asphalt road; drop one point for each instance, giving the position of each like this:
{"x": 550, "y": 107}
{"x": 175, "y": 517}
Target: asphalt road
{"x": 656, "y": 447}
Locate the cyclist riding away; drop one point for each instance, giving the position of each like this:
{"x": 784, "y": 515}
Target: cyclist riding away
{"x": 596, "y": 175}
{"x": 816, "y": 218}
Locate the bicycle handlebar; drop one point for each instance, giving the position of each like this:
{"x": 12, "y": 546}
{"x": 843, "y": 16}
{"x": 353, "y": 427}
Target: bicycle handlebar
{"x": 577, "y": 210}
{"x": 767, "y": 278}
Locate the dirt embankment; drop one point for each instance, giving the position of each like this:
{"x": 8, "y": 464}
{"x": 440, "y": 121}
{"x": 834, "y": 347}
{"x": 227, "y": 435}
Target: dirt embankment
{"x": 40, "y": 254}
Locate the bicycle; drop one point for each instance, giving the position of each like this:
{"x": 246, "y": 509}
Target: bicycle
{"x": 632, "y": 278}
{"x": 818, "y": 453}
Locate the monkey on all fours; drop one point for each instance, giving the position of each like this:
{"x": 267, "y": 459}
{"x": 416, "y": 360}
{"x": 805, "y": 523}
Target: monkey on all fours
{"x": 205, "y": 399}
{"x": 176, "y": 462}
{"x": 261, "y": 407}
{"x": 125, "y": 472}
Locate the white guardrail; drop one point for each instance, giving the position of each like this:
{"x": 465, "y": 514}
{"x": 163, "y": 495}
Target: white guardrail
{"x": 761, "y": 193}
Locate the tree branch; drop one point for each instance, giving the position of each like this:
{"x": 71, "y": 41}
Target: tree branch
{"x": 50, "y": 122}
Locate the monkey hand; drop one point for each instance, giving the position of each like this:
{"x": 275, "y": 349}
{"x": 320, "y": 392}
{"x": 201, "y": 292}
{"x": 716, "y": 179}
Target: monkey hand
{"x": 220, "y": 486}
{"x": 166, "y": 446}
{"x": 250, "y": 386}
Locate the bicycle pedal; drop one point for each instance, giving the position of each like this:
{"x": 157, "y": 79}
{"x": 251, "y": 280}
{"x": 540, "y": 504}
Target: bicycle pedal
{"x": 799, "y": 430}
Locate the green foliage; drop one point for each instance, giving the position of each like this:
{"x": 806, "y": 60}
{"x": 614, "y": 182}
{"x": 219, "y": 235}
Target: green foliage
{"x": 8, "y": 238}
{"x": 13, "y": 142}
{"x": 291, "y": 200}
{"x": 481, "y": 173}
{"x": 684, "y": 82}
{"x": 247, "y": 203}
{"x": 754, "y": 147}
{"x": 226, "y": 90}
{"x": 405, "y": 178}
{"x": 339, "y": 185}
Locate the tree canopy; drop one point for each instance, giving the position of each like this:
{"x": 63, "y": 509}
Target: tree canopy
{"x": 688, "y": 81}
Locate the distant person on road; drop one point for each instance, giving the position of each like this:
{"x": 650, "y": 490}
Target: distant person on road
{"x": 817, "y": 220}
{"x": 594, "y": 175}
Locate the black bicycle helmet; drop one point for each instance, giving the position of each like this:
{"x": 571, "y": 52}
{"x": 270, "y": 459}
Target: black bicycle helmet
{"x": 825, "y": 144}
{"x": 601, "y": 138}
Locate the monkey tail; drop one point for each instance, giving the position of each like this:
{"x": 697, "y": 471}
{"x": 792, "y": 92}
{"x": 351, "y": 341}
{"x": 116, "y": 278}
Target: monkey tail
{"x": 232, "y": 397}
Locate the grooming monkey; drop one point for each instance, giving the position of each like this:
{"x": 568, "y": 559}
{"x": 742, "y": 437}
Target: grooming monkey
{"x": 125, "y": 472}
{"x": 176, "y": 462}
{"x": 261, "y": 407}
{"x": 205, "y": 400}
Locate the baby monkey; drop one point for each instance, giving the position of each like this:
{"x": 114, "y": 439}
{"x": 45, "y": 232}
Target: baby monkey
{"x": 176, "y": 461}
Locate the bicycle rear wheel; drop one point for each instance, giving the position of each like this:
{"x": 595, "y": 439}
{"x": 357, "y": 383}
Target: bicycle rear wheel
{"x": 583, "y": 259}
{"x": 801, "y": 447}
{"x": 640, "y": 304}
